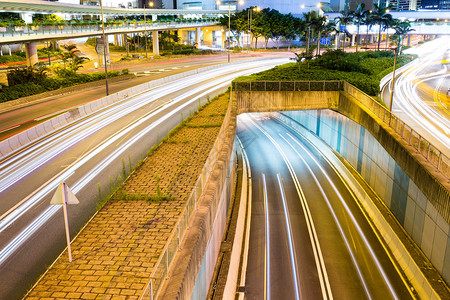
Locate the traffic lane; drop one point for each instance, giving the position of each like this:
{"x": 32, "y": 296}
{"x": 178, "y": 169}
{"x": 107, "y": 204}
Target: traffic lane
{"x": 193, "y": 87}
{"x": 339, "y": 270}
{"x": 265, "y": 160}
{"x": 379, "y": 274}
{"x": 22, "y": 118}
{"x": 350, "y": 285}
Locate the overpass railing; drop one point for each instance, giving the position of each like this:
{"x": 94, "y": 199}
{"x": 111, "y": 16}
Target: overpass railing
{"x": 438, "y": 160}
{"x": 28, "y": 30}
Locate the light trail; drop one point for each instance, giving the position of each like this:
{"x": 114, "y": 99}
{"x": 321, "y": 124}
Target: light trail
{"x": 267, "y": 244}
{"x": 352, "y": 217}
{"x": 336, "y": 221}
{"x": 79, "y": 132}
{"x": 291, "y": 243}
{"x": 318, "y": 257}
{"x": 407, "y": 100}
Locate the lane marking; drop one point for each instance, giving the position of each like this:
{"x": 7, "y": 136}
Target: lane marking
{"x": 267, "y": 244}
{"x": 352, "y": 217}
{"x": 341, "y": 231}
{"x": 9, "y": 128}
{"x": 291, "y": 243}
{"x": 320, "y": 264}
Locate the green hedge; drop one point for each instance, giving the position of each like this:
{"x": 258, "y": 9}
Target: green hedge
{"x": 49, "y": 84}
{"x": 363, "y": 69}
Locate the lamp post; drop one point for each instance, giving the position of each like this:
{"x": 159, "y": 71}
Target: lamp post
{"x": 105, "y": 47}
{"x": 145, "y": 30}
{"x": 256, "y": 8}
{"x": 393, "y": 79}
{"x": 229, "y": 20}
{"x": 309, "y": 19}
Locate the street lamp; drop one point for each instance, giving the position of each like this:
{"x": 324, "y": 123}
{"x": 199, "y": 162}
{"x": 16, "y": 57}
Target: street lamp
{"x": 318, "y": 5}
{"x": 229, "y": 19}
{"x": 105, "y": 47}
{"x": 145, "y": 29}
{"x": 256, "y": 9}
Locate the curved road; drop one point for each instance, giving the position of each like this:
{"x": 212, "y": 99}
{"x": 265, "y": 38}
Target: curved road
{"x": 308, "y": 236}
{"x": 87, "y": 154}
{"x": 420, "y": 94}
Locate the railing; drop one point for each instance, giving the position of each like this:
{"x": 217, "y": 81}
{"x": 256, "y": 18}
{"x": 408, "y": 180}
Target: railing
{"x": 439, "y": 161}
{"x": 278, "y": 86}
{"x": 60, "y": 29}
{"x": 161, "y": 269}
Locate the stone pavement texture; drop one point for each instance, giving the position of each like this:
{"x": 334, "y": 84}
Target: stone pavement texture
{"x": 116, "y": 252}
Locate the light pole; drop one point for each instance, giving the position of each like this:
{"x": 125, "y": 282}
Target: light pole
{"x": 309, "y": 20}
{"x": 229, "y": 20}
{"x": 105, "y": 47}
{"x": 256, "y": 9}
{"x": 145, "y": 30}
{"x": 393, "y": 79}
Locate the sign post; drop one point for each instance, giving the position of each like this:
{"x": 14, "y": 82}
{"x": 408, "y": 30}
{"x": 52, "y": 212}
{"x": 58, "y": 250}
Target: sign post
{"x": 64, "y": 196}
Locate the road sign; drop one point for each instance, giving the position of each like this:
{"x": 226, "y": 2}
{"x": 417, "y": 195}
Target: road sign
{"x": 325, "y": 41}
{"x": 100, "y": 46}
{"x": 64, "y": 196}
{"x": 58, "y": 197}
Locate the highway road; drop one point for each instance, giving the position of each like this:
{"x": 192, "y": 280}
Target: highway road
{"x": 86, "y": 155}
{"x": 21, "y": 118}
{"x": 308, "y": 236}
{"x": 420, "y": 94}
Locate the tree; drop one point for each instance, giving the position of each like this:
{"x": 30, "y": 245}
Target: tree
{"x": 319, "y": 25}
{"x": 72, "y": 62}
{"x": 381, "y": 17}
{"x": 238, "y": 24}
{"x": 344, "y": 19}
{"x": 368, "y": 22}
{"x": 401, "y": 29}
{"x": 255, "y": 26}
{"x": 359, "y": 15}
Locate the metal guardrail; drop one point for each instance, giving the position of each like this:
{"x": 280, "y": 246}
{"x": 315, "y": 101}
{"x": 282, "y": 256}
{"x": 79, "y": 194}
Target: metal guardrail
{"x": 436, "y": 158}
{"x": 161, "y": 269}
{"x": 277, "y": 86}
{"x": 28, "y": 30}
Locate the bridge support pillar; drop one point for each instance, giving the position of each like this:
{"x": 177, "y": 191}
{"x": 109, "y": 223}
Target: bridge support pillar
{"x": 409, "y": 40}
{"x": 155, "y": 40}
{"x": 31, "y": 53}
{"x": 208, "y": 37}
{"x": 197, "y": 36}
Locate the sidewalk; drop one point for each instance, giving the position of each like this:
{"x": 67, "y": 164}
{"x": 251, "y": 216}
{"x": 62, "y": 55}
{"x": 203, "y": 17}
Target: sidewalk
{"x": 114, "y": 255}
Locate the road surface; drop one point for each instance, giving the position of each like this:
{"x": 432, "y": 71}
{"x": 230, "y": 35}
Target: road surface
{"x": 308, "y": 236}
{"x": 420, "y": 94}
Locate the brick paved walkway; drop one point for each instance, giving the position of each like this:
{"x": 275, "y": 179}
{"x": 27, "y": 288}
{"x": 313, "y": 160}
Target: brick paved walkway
{"x": 114, "y": 255}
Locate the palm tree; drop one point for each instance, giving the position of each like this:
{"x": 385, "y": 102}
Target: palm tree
{"x": 343, "y": 20}
{"x": 359, "y": 14}
{"x": 401, "y": 29}
{"x": 381, "y": 17}
{"x": 320, "y": 26}
{"x": 369, "y": 22}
